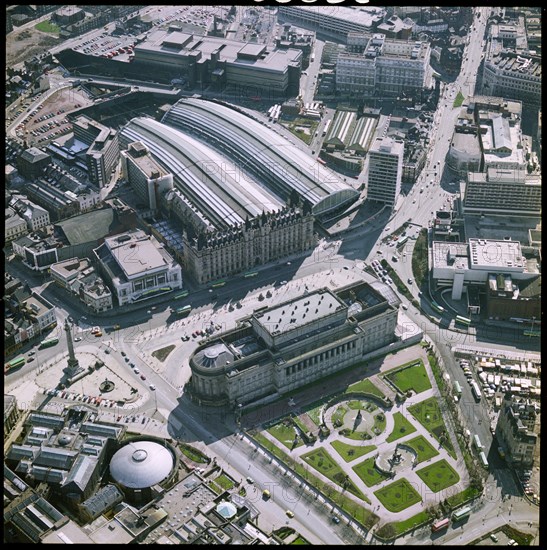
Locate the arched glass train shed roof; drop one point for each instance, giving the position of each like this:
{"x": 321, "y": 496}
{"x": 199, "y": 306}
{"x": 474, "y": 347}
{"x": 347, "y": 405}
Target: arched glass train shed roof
{"x": 273, "y": 160}
{"x": 219, "y": 189}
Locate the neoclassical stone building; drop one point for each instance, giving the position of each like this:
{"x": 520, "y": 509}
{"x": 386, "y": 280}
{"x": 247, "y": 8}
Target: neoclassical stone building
{"x": 211, "y": 256}
{"x": 286, "y": 346}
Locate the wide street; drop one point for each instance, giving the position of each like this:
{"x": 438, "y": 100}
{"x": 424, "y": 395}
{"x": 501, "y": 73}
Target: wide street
{"x": 332, "y": 264}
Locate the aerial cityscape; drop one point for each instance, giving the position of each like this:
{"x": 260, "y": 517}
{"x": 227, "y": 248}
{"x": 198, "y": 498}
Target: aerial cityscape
{"x": 272, "y": 274}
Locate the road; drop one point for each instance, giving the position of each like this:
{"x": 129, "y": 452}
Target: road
{"x": 320, "y": 266}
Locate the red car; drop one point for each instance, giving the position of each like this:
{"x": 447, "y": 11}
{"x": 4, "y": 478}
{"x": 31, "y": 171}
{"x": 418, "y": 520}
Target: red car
{"x": 143, "y": 377}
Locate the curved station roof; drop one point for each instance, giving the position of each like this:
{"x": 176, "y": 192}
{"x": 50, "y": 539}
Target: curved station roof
{"x": 211, "y": 182}
{"x": 273, "y": 160}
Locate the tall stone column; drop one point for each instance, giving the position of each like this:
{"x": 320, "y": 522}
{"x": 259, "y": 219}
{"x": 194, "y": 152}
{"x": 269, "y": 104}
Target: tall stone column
{"x": 73, "y": 365}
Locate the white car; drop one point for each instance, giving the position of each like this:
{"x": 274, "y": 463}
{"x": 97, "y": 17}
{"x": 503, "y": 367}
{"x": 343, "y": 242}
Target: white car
{"x": 77, "y": 339}
{"x": 404, "y": 306}
{"x": 136, "y": 371}
{"x": 152, "y": 387}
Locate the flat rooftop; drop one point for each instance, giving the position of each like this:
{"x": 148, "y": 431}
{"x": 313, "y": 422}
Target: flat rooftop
{"x": 299, "y": 312}
{"x": 451, "y": 255}
{"x": 135, "y": 253}
{"x": 364, "y": 16}
{"x": 230, "y": 51}
{"x": 144, "y": 160}
{"x": 486, "y": 254}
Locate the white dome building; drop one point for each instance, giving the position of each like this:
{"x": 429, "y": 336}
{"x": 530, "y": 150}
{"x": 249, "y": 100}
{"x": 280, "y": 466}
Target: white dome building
{"x": 141, "y": 464}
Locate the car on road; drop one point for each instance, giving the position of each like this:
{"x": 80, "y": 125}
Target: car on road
{"x": 185, "y": 337}
{"x": 152, "y": 387}
{"x": 31, "y": 353}
{"x": 98, "y": 334}
{"x": 250, "y": 480}
{"x": 94, "y": 330}
{"x": 289, "y": 513}
{"x": 77, "y": 339}
{"x": 30, "y": 359}
{"x": 116, "y": 327}
{"x": 404, "y": 306}
{"x": 409, "y": 281}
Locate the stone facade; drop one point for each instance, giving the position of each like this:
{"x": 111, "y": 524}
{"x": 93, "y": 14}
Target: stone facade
{"x": 268, "y": 237}
{"x": 279, "y": 350}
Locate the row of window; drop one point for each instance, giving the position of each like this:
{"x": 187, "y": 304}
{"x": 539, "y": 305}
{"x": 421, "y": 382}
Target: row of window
{"x": 320, "y": 357}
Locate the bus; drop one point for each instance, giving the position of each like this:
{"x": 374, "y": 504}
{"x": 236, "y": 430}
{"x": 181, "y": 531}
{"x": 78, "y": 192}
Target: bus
{"x": 483, "y": 460}
{"x": 218, "y": 284}
{"x": 476, "y": 391}
{"x": 532, "y": 333}
{"x": 457, "y": 388}
{"x": 402, "y": 242}
{"x": 48, "y": 342}
{"x": 437, "y": 307}
{"x": 183, "y": 294}
{"x": 477, "y": 442}
{"x": 440, "y": 524}
{"x": 14, "y": 364}
{"x": 463, "y": 320}
{"x": 183, "y": 310}
{"x": 326, "y": 128}
{"x": 250, "y": 274}
{"x": 462, "y": 513}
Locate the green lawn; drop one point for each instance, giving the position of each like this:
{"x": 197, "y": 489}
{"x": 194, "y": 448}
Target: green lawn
{"x": 323, "y": 462}
{"x": 423, "y": 448}
{"x": 351, "y": 452}
{"x": 193, "y": 453}
{"x": 162, "y": 353}
{"x": 285, "y": 434}
{"x": 438, "y": 475}
{"x": 224, "y": 481}
{"x": 314, "y": 414}
{"x": 459, "y": 498}
{"x": 459, "y": 100}
{"x": 429, "y": 415}
{"x": 398, "y": 496}
{"x": 368, "y": 473}
{"x": 359, "y": 512}
{"x": 365, "y": 386}
{"x": 300, "y": 540}
{"x": 46, "y": 26}
{"x": 337, "y": 418}
{"x": 392, "y": 530}
{"x": 401, "y": 428}
{"x": 363, "y": 405}
{"x": 410, "y": 378}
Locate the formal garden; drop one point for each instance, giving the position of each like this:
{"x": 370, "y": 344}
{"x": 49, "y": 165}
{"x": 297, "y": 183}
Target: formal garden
{"x": 360, "y": 440}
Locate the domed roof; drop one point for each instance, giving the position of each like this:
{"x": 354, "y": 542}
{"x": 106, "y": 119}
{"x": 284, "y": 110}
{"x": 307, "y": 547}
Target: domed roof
{"x": 213, "y": 356}
{"x": 141, "y": 464}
